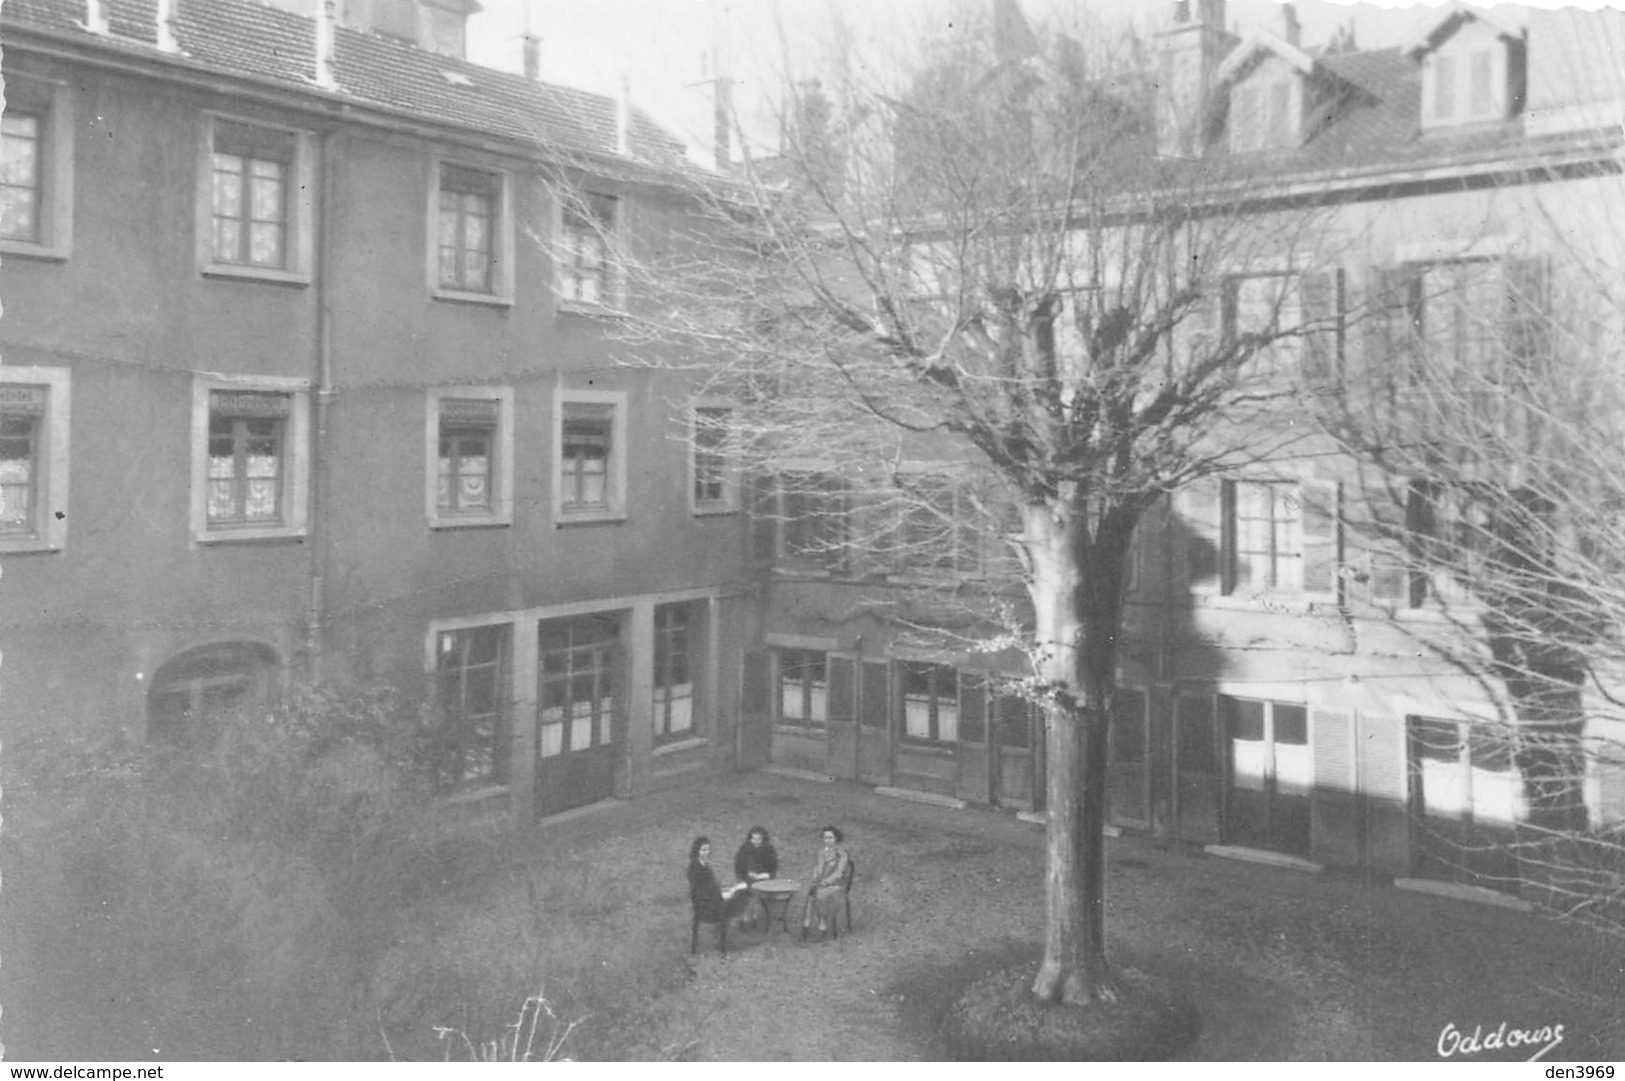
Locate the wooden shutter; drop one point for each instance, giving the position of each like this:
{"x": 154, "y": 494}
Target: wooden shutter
{"x": 1200, "y": 529}
{"x": 972, "y": 708}
{"x": 1322, "y": 549}
{"x": 842, "y": 706}
{"x": 1382, "y": 759}
{"x": 1334, "y": 750}
{"x": 1321, "y": 299}
{"x": 875, "y": 711}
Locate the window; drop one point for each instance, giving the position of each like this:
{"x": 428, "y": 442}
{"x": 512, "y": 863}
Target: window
{"x": 250, "y": 200}
{"x": 803, "y": 687}
{"x": 675, "y": 628}
{"x": 192, "y": 695}
{"x": 471, "y": 675}
{"x": 930, "y": 701}
{"x": 1247, "y": 537}
{"x": 396, "y": 18}
{"x": 33, "y": 458}
{"x": 1261, "y": 115}
{"x": 1267, "y": 552}
{"x": 813, "y": 510}
{"x": 1465, "y": 83}
{"x": 1466, "y": 771}
{"x": 579, "y": 666}
{"x": 257, "y": 218}
{"x": 470, "y": 226}
{"x": 22, "y": 181}
{"x": 468, "y": 202}
{"x": 1266, "y": 307}
{"x": 590, "y": 445}
{"x": 938, "y": 534}
{"x": 711, "y": 488}
{"x": 586, "y": 269}
{"x": 36, "y": 169}
{"x": 246, "y": 457}
{"x": 470, "y": 456}
{"x": 446, "y": 31}
{"x": 250, "y": 466}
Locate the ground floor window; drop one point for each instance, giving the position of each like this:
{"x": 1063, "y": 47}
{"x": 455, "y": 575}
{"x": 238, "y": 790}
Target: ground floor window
{"x": 191, "y": 695}
{"x": 1271, "y": 772}
{"x": 803, "y": 687}
{"x": 930, "y": 701}
{"x": 675, "y": 664}
{"x": 577, "y": 683}
{"x": 472, "y": 675}
{"x": 1466, "y": 771}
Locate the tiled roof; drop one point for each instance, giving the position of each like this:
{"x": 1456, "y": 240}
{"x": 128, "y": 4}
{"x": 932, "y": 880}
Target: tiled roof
{"x": 253, "y": 40}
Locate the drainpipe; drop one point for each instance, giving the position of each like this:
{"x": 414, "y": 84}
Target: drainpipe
{"x": 322, "y": 392}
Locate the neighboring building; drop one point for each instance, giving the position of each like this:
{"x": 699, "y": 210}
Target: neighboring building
{"x": 306, "y": 373}
{"x": 1273, "y": 696}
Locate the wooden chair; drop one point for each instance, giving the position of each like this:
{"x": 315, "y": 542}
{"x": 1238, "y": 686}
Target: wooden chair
{"x": 721, "y": 921}
{"x": 846, "y": 895}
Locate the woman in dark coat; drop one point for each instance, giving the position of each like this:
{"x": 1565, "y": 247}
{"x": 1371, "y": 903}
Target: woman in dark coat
{"x": 711, "y": 903}
{"x": 756, "y": 861}
{"x": 756, "y": 858}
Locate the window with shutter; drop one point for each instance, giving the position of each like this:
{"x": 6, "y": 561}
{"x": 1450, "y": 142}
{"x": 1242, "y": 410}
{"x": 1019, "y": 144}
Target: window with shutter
{"x": 1321, "y": 298}
{"x": 1322, "y": 548}
{"x": 1198, "y": 529}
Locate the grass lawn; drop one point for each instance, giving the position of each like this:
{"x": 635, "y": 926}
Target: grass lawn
{"x": 1282, "y": 965}
{"x": 593, "y": 911}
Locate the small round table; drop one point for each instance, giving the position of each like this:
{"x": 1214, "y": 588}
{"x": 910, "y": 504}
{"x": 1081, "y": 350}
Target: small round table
{"x": 780, "y": 890}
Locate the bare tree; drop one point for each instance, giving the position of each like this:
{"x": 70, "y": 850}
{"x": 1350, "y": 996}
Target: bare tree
{"x": 985, "y": 265}
{"x": 1488, "y": 422}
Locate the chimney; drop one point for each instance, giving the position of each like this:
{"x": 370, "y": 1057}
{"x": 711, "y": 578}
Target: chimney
{"x": 95, "y": 17}
{"x": 326, "y": 24}
{"x": 623, "y": 119}
{"x": 530, "y": 51}
{"x": 166, "y": 27}
{"x": 1292, "y": 29}
{"x": 1188, "y": 53}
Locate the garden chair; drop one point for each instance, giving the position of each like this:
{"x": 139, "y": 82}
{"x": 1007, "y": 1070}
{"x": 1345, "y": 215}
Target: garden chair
{"x": 846, "y": 894}
{"x": 722, "y": 930}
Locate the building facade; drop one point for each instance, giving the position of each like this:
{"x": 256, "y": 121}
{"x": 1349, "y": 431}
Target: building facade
{"x": 1273, "y": 692}
{"x": 306, "y": 374}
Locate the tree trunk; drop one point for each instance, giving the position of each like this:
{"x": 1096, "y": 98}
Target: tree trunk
{"x": 1070, "y": 663}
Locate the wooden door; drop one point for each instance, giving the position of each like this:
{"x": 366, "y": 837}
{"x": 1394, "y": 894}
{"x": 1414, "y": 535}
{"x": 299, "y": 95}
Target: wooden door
{"x": 973, "y": 748}
{"x": 875, "y": 724}
{"x": 1128, "y": 776}
{"x": 1014, "y": 741}
{"x": 841, "y": 718}
{"x": 578, "y": 692}
{"x": 1197, "y": 777}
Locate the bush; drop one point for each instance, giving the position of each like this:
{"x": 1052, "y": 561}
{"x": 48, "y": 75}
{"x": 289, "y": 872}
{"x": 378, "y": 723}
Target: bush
{"x": 233, "y": 898}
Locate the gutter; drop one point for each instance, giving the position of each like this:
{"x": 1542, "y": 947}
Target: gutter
{"x": 141, "y": 60}
{"x": 322, "y": 387}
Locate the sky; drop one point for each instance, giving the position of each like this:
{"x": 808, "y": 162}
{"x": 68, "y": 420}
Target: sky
{"x": 661, "y": 49}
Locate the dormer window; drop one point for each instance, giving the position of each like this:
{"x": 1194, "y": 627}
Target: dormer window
{"x": 434, "y": 27}
{"x": 1472, "y": 71}
{"x": 1261, "y": 116}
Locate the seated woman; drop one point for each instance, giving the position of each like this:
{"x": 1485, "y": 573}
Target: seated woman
{"x": 756, "y": 861}
{"x": 828, "y": 884}
{"x": 712, "y": 904}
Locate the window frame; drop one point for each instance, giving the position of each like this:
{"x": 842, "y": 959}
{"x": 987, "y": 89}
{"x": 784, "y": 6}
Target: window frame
{"x": 501, "y": 291}
{"x": 802, "y": 656}
{"x": 933, "y": 672}
{"x": 49, "y": 532}
{"x": 1448, "y": 80}
{"x": 664, "y": 694}
{"x": 299, "y": 203}
{"x": 295, "y": 466}
{"x": 501, "y": 774}
{"x": 500, "y": 471}
{"x": 612, "y": 286}
{"x": 728, "y": 468}
{"x": 615, "y": 471}
{"x": 52, "y": 102}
